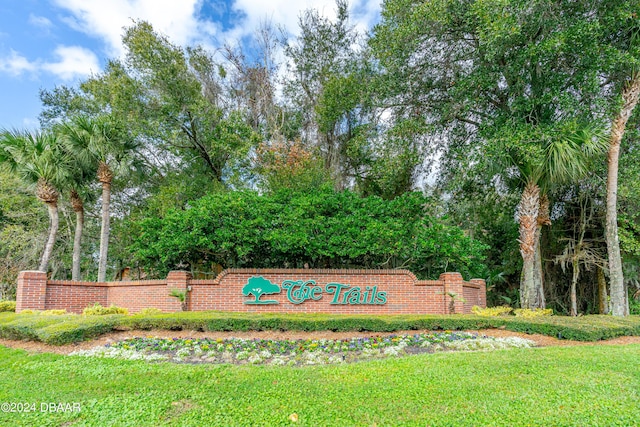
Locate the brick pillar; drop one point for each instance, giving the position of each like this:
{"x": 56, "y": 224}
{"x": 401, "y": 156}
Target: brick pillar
{"x": 32, "y": 291}
{"x": 453, "y": 285}
{"x": 178, "y": 280}
{"x": 482, "y": 292}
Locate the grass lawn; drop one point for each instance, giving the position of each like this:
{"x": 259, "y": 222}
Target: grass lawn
{"x": 569, "y": 386}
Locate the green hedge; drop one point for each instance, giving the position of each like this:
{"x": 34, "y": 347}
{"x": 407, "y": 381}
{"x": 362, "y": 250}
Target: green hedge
{"x": 56, "y": 330}
{"x": 78, "y": 328}
{"x": 59, "y": 330}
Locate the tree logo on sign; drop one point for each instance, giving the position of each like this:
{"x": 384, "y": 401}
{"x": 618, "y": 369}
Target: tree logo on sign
{"x": 258, "y": 286}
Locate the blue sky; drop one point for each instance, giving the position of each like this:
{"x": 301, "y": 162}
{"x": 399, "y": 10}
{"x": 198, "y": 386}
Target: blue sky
{"x": 44, "y": 43}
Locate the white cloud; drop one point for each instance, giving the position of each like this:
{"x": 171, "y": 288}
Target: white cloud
{"x": 106, "y": 19}
{"x": 40, "y": 21}
{"x": 363, "y": 13}
{"x": 182, "y": 22}
{"x": 73, "y": 61}
{"x": 16, "y": 64}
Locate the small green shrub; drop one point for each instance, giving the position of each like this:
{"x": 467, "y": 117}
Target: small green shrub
{"x": 7, "y": 306}
{"x": 98, "y": 310}
{"x": 491, "y": 311}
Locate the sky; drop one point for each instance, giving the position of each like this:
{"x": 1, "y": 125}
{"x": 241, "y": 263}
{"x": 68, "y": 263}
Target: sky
{"x": 47, "y": 43}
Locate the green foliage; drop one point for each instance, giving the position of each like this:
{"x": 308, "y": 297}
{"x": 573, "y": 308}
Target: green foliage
{"x": 7, "y": 306}
{"x": 98, "y": 310}
{"x": 322, "y": 228}
{"x": 23, "y": 225}
{"x": 55, "y": 329}
{"x": 179, "y": 294}
{"x": 79, "y": 328}
{"x": 26, "y": 326}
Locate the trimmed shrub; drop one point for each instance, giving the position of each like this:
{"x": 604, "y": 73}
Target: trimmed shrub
{"x": 78, "y": 329}
{"x": 7, "y": 306}
{"x": 98, "y": 310}
{"x": 70, "y": 328}
{"x": 26, "y": 326}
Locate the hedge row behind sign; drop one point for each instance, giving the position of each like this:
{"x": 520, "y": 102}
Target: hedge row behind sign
{"x": 299, "y": 291}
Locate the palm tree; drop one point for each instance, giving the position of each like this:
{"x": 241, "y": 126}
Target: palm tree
{"x": 40, "y": 162}
{"x": 78, "y": 194}
{"x": 81, "y": 174}
{"x": 109, "y": 148}
{"x": 563, "y": 158}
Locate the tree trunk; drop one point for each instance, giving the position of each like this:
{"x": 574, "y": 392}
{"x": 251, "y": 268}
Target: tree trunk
{"x": 603, "y": 304}
{"x": 77, "y": 246}
{"x": 78, "y": 208}
{"x": 574, "y": 284}
{"x": 53, "y": 231}
{"x": 528, "y": 218}
{"x": 538, "y": 272}
{"x": 104, "y": 233}
{"x": 619, "y": 303}
{"x": 538, "y": 300}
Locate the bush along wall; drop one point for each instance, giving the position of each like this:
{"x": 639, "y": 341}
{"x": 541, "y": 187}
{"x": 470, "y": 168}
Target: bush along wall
{"x": 321, "y": 229}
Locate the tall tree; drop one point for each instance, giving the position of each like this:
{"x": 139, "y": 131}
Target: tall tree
{"x": 621, "y": 40}
{"x": 38, "y": 159}
{"x": 326, "y": 85}
{"x": 563, "y": 158}
{"x": 619, "y": 298}
{"x": 105, "y": 144}
{"x": 82, "y": 172}
{"x": 493, "y": 76}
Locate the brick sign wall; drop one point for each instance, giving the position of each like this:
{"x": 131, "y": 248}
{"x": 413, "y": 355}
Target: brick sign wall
{"x": 265, "y": 290}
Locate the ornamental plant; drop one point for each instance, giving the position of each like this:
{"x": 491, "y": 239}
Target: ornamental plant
{"x": 7, "y": 306}
{"x": 98, "y": 310}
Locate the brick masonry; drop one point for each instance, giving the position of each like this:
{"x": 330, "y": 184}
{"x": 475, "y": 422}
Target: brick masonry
{"x": 405, "y": 293}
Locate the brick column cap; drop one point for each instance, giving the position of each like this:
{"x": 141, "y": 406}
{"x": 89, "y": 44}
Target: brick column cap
{"x": 451, "y": 275}
{"x": 179, "y": 274}
{"x": 31, "y": 273}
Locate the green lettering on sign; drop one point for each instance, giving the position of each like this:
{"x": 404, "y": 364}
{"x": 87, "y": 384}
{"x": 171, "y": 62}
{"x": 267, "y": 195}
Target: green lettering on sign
{"x": 299, "y": 291}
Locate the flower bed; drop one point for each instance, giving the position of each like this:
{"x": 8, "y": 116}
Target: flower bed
{"x": 297, "y": 352}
